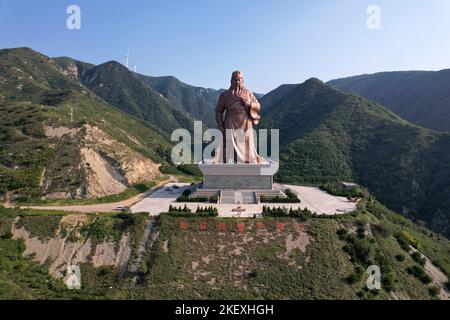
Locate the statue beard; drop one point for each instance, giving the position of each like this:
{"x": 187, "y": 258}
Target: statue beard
{"x": 237, "y": 90}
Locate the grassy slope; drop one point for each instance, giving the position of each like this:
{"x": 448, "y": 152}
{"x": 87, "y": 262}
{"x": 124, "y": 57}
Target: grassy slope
{"x": 321, "y": 273}
{"x": 247, "y": 265}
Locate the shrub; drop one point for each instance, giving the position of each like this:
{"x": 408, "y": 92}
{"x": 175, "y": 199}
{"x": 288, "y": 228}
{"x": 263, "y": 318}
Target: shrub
{"x": 6, "y": 236}
{"x": 291, "y": 197}
{"x": 194, "y": 199}
{"x": 362, "y": 250}
{"x": 341, "y": 232}
{"x": 190, "y": 169}
{"x": 433, "y": 291}
{"x": 361, "y": 232}
{"x": 410, "y": 239}
{"x": 380, "y": 230}
{"x": 402, "y": 241}
{"x": 277, "y": 199}
{"x": 284, "y": 212}
{"x": 125, "y": 221}
{"x": 99, "y": 230}
{"x": 290, "y": 194}
{"x": 356, "y": 276}
{"x": 186, "y": 212}
{"x": 337, "y": 190}
{"x": 168, "y": 169}
{"x": 417, "y": 257}
{"x": 419, "y": 273}
{"x": 179, "y": 209}
{"x": 185, "y": 198}
{"x": 210, "y": 210}
{"x": 388, "y": 281}
{"x": 400, "y": 257}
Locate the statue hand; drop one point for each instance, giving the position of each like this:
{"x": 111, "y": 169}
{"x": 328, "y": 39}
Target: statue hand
{"x": 246, "y": 103}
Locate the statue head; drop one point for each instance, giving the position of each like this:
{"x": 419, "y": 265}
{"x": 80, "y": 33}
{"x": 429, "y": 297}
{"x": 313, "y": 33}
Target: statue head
{"x": 237, "y": 79}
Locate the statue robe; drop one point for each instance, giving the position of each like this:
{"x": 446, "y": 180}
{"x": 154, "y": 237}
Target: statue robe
{"x": 241, "y": 127}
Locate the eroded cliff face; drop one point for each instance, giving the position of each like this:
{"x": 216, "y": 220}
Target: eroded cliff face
{"x": 87, "y": 162}
{"x": 114, "y": 161}
{"x": 71, "y": 71}
{"x": 69, "y": 246}
{"x": 57, "y": 251}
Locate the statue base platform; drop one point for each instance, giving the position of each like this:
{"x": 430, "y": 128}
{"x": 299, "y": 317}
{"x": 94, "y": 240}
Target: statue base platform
{"x": 238, "y": 176}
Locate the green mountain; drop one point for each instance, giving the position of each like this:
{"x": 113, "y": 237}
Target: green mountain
{"x": 421, "y": 97}
{"x": 198, "y": 102}
{"x": 328, "y": 135}
{"x": 129, "y": 93}
{"x": 43, "y": 153}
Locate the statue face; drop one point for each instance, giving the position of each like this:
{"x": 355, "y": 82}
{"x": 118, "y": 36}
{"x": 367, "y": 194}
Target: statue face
{"x": 238, "y": 81}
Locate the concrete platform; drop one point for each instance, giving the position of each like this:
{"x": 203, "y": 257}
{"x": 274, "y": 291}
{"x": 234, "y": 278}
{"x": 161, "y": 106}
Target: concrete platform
{"x": 312, "y": 198}
{"x": 238, "y": 176}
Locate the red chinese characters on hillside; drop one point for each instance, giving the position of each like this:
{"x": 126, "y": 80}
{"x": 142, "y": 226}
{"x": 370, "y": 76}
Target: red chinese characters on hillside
{"x": 239, "y": 227}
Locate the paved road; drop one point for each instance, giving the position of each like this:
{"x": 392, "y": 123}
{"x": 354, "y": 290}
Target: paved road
{"x": 104, "y": 207}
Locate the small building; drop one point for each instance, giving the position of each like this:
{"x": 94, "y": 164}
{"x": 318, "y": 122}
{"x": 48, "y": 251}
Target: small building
{"x": 348, "y": 185}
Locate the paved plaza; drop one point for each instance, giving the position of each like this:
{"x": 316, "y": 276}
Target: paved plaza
{"x": 312, "y": 198}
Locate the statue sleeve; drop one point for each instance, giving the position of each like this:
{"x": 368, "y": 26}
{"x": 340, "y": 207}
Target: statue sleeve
{"x": 220, "y": 109}
{"x": 255, "y": 104}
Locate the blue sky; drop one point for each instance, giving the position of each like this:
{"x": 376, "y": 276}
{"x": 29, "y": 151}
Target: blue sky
{"x": 272, "y": 42}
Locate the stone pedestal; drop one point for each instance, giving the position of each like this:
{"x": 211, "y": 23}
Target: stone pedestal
{"x": 238, "y": 176}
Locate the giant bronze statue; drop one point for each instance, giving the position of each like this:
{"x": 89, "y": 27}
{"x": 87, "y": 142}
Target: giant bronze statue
{"x": 241, "y": 110}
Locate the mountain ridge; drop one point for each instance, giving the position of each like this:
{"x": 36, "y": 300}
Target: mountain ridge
{"x": 418, "y": 96}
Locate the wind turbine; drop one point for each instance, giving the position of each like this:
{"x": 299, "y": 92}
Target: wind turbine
{"x": 127, "y": 58}
{"x": 135, "y": 68}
